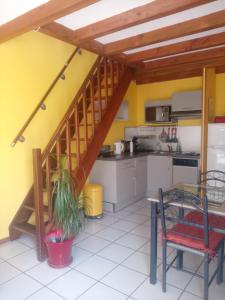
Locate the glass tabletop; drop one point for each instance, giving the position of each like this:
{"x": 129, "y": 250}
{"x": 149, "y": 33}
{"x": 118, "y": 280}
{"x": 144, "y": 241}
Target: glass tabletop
{"x": 215, "y": 194}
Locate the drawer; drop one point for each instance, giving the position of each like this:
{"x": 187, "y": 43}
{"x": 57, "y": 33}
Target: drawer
{"x": 127, "y": 163}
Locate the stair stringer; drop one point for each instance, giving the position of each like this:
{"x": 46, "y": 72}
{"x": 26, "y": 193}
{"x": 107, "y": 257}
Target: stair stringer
{"x": 82, "y": 172}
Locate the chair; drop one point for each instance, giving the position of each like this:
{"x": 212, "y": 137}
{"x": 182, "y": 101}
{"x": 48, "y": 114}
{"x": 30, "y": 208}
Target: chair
{"x": 214, "y": 178}
{"x": 182, "y": 233}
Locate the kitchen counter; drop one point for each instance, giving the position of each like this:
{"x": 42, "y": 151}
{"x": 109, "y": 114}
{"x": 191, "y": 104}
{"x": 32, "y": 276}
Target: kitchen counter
{"x": 123, "y": 156}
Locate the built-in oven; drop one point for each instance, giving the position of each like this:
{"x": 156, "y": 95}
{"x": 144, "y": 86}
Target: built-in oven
{"x": 185, "y": 170}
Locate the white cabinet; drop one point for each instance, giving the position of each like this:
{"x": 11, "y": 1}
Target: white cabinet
{"x": 141, "y": 177}
{"x": 123, "y": 181}
{"x": 159, "y": 173}
{"x": 187, "y": 101}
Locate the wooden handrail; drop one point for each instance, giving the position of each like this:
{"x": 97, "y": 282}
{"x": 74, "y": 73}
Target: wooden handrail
{"x": 41, "y": 105}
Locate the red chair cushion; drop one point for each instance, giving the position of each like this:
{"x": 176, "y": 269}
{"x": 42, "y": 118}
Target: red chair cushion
{"x": 187, "y": 235}
{"x": 214, "y": 221}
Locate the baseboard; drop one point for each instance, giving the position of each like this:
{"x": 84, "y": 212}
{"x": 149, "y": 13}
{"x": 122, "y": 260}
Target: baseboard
{"x": 2, "y": 241}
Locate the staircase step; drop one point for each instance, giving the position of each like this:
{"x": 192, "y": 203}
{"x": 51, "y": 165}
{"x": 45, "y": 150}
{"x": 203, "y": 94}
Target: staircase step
{"x": 25, "y": 228}
{"x": 31, "y": 207}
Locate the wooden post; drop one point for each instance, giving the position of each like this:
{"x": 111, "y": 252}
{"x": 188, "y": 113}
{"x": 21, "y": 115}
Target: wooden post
{"x": 38, "y": 203}
{"x": 208, "y": 97}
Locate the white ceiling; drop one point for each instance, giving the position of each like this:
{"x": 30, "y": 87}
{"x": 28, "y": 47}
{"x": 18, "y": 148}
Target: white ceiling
{"x": 99, "y": 11}
{"x": 10, "y": 9}
{"x": 186, "y": 15}
{"x": 177, "y": 40}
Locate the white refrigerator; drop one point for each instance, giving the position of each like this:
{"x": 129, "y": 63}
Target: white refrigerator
{"x": 216, "y": 147}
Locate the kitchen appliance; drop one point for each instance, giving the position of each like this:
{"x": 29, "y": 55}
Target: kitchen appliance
{"x": 185, "y": 170}
{"x": 158, "y": 114}
{"x": 118, "y": 148}
{"x": 187, "y": 104}
{"x": 216, "y": 147}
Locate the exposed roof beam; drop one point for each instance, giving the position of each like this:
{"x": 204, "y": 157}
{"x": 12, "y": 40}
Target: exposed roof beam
{"x": 195, "y": 44}
{"x": 179, "y": 71}
{"x": 144, "y": 13}
{"x": 63, "y": 33}
{"x": 41, "y": 15}
{"x": 170, "y": 32}
{"x": 186, "y": 58}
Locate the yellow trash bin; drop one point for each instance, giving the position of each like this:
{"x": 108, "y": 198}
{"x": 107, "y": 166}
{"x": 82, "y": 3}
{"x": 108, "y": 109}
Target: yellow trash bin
{"x": 93, "y": 200}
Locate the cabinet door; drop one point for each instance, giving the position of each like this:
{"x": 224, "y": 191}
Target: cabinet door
{"x": 159, "y": 173}
{"x": 125, "y": 182}
{"x": 141, "y": 176}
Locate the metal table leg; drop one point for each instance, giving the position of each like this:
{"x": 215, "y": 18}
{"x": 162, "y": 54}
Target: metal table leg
{"x": 153, "y": 243}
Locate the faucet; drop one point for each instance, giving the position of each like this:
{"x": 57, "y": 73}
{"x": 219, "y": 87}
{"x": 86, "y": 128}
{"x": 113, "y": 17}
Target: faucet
{"x": 170, "y": 148}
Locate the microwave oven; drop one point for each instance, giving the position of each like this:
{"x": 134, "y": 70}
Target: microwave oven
{"x": 155, "y": 114}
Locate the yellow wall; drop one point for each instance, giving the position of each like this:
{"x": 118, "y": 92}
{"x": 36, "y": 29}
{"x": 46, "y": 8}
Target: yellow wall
{"x": 220, "y": 95}
{"x": 164, "y": 90}
{"x": 28, "y": 64}
{"x": 117, "y": 129}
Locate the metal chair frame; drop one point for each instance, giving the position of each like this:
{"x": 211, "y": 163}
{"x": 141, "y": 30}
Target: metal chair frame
{"x": 177, "y": 204}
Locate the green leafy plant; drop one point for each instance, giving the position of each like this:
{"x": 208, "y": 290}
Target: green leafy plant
{"x": 68, "y": 214}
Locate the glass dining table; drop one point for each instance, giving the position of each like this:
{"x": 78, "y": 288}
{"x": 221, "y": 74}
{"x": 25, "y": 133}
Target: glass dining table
{"x": 216, "y": 205}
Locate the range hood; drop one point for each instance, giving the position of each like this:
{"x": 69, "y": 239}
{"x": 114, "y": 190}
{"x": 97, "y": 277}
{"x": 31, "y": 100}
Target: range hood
{"x": 186, "y": 105}
{"x": 190, "y": 114}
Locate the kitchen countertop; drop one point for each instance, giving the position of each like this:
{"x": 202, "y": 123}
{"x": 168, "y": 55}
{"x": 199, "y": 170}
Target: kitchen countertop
{"x": 124, "y": 156}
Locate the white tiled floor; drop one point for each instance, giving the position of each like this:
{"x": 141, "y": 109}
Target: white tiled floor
{"x": 111, "y": 261}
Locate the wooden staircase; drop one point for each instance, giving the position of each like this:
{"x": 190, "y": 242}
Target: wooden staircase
{"x": 79, "y": 136}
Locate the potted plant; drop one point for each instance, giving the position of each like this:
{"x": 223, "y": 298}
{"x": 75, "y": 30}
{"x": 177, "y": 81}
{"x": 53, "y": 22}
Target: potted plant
{"x": 67, "y": 219}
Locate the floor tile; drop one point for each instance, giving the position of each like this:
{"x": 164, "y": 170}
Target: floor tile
{"x": 79, "y": 256}
{"x": 132, "y": 241}
{"x": 45, "y": 274}
{"x": 25, "y": 261}
{"x": 27, "y": 240}
{"x": 142, "y": 230}
{"x": 93, "y": 244}
{"x": 176, "y": 278}
{"x": 143, "y": 211}
{"x": 72, "y": 284}
{"x": 110, "y": 234}
{"x": 19, "y": 288}
{"x": 188, "y": 296}
{"x": 138, "y": 262}
{"x": 102, "y": 292}
{"x": 121, "y": 214}
{"x": 146, "y": 289}
{"x": 136, "y": 218}
{"x": 131, "y": 208}
{"x": 215, "y": 291}
{"x": 92, "y": 227}
{"x": 107, "y": 220}
{"x": 7, "y": 272}
{"x": 11, "y": 249}
{"x": 116, "y": 253}
{"x": 124, "y": 225}
{"x": 124, "y": 280}
{"x": 80, "y": 237}
{"x": 96, "y": 267}
{"x": 45, "y": 294}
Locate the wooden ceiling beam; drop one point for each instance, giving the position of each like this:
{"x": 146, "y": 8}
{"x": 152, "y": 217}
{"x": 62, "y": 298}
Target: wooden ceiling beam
{"x": 166, "y": 33}
{"x": 61, "y": 32}
{"x": 194, "y": 44}
{"x": 141, "y": 14}
{"x": 41, "y": 15}
{"x": 170, "y": 76}
{"x": 182, "y": 66}
{"x": 179, "y": 71}
{"x": 186, "y": 58}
